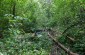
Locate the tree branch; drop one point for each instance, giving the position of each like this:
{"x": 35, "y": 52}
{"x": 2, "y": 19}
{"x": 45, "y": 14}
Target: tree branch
{"x": 71, "y": 26}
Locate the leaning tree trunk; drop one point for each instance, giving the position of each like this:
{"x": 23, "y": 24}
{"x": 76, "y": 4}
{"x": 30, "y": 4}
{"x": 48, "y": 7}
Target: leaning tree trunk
{"x": 61, "y": 46}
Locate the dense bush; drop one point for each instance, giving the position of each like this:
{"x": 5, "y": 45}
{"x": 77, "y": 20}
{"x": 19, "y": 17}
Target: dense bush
{"x": 25, "y": 45}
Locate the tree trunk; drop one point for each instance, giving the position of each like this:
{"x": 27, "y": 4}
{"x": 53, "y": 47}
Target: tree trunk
{"x": 14, "y": 9}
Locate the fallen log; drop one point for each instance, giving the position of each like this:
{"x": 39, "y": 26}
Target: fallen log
{"x": 62, "y": 46}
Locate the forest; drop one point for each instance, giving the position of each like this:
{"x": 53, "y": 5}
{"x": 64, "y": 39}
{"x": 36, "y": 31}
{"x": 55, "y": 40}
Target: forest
{"x": 42, "y": 27}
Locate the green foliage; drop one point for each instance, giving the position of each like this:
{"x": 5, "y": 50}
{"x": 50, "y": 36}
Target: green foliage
{"x": 23, "y": 16}
{"x": 24, "y": 45}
